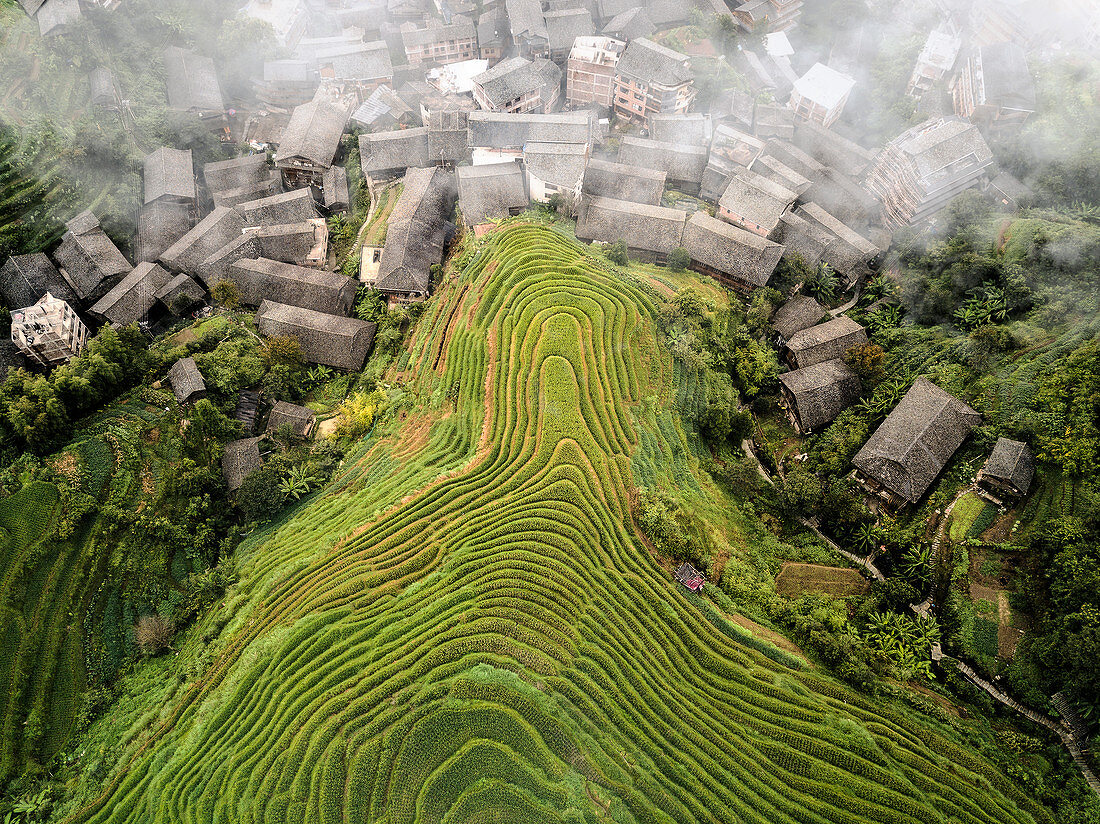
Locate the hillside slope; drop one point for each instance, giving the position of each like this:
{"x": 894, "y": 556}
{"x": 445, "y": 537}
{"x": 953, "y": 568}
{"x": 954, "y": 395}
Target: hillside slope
{"x": 465, "y": 627}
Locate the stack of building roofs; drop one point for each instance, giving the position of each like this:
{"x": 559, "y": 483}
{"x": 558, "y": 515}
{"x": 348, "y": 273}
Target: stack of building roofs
{"x": 994, "y": 88}
{"x": 310, "y": 143}
{"x": 911, "y": 447}
{"x": 831, "y": 340}
{"x": 88, "y": 259}
{"x": 519, "y": 85}
{"x": 683, "y": 164}
{"x": 417, "y": 234}
{"x": 651, "y": 79}
{"x": 923, "y": 169}
{"x": 490, "y": 192}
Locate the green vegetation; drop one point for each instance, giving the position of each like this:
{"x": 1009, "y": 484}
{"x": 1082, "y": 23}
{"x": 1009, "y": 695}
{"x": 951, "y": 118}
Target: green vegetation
{"x": 465, "y": 626}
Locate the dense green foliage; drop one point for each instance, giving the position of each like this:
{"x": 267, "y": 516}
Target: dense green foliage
{"x": 468, "y": 629}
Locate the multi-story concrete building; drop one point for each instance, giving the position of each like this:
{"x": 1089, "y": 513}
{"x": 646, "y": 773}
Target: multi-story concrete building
{"x": 820, "y": 94}
{"x": 935, "y": 60}
{"x": 776, "y": 15}
{"x": 49, "y": 332}
{"x": 440, "y": 44}
{"x": 921, "y": 170}
{"x": 519, "y": 85}
{"x": 652, "y": 79}
{"x": 590, "y": 71}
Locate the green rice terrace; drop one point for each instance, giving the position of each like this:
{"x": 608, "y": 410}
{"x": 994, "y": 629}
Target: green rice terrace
{"x": 465, "y": 626}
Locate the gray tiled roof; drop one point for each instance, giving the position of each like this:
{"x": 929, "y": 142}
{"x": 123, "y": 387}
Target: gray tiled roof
{"x": 515, "y": 77}
{"x": 192, "y": 81}
{"x": 499, "y": 130}
{"x": 299, "y": 418}
{"x": 313, "y": 133}
{"x": 825, "y": 341}
{"x": 741, "y": 255}
{"x": 241, "y": 459}
{"x": 630, "y": 24}
{"x": 821, "y": 392}
{"x": 798, "y": 313}
{"x": 180, "y": 294}
{"x": 461, "y": 28}
{"x": 186, "y": 379}
{"x": 525, "y": 19}
{"x": 232, "y": 174}
{"x": 649, "y": 228}
{"x": 679, "y": 162}
{"x": 417, "y": 231}
{"x": 400, "y": 149}
{"x": 559, "y": 164}
{"x": 654, "y": 64}
{"x": 685, "y": 129}
{"x": 911, "y": 447}
{"x": 563, "y": 27}
{"x": 169, "y": 173}
{"x": 756, "y": 198}
{"x": 490, "y": 191}
{"x": 24, "y": 279}
{"x": 214, "y": 231}
{"x": 1005, "y": 77}
{"x": 130, "y": 300}
{"x": 330, "y": 292}
{"x": 90, "y": 259}
{"x": 447, "y": 136}
{"x": 161, "y": 224}
{"x": 1010, "y": 463}
{"x": 343, "y": 343}
{"x": 624, "y": 181}
{"x": 288, "y": 207}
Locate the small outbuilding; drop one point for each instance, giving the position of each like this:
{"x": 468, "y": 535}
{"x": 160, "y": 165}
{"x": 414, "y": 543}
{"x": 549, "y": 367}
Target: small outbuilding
{"x": 240, "y": 460}
{"x": 690, "y": 577}
{"x": 300, "y": 419}
{"x": 798, "y": 313}
{"x": 817, "y": 394}
{"x": 825, "y": 341}
{"x": 1009, "y": 469}
{"x": 186, "y": 381}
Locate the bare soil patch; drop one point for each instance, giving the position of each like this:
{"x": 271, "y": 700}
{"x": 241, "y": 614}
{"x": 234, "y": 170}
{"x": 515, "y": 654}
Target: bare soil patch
{"x": 839, "y": 582}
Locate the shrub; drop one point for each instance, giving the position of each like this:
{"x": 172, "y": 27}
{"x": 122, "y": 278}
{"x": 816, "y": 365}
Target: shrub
{"x": 617, "y": 253}
{"x": 260, "y": 496}
{"x": 152, "y": 634}
{"x": 679, "y": 259}
{"x": 226, "y": 294}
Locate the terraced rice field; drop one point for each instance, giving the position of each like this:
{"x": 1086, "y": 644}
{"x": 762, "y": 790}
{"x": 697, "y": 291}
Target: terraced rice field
{"x": 465, "y": 627}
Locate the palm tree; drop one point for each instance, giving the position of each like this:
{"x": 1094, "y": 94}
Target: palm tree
{"x": 917, "y": 563}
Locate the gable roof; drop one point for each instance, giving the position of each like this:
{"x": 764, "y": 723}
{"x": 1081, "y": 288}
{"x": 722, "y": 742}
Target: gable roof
{"x": 313, "y": 133}
{"x": 160, "y": 224}
{"x": 186, "y": 379}
{"x": 565, "y": 26}
{"x": 288, "y": 207}
{"x": 490, "y": 191}
{"x": 233, "y": 174}
{"x": 337, "y": 194}
{"x": 821, "y": 392}
{"x": 624, "y": 181}
{"x": 343, "y": 343}
{"x": 825, "y": 341}
{"x": 241, "y": 459}
{"x": 192, "y": 81}
{"x": 131, "y": 298}
{"x": 89, "y": 258}
{"x": 417, "y": 231}
{"x": 180, "y": 294}
{"x": 460, "y": 28}
{"x": 360, "y": 62}
{"x": 911, "y": 447}
{"x": 679, "y": 162}
{"x": 383, "y": 102}
{"x": 649, "y": 228}
{"x": 322, "y": 291}
{"x": 1005, "y": 77}
{"x": 798, "y": 313}
{"x": 525, "y": 20}
{"x": 654, "y": 64}
{"x": 756, "y": 198}
{"x": 683, "y": 129}
{"x": 499, "y": 130}
{"x": 1010, "y": 463}
{"x": 742, "y": 255}
{"x": 24, "y": 279}
{"x": 630, "y": 24}
{"x": 447, "y": 136}
{"x": 212, "y": 233}
{"x": 169, "y": 173}
{"x": 400, "y": 149}
{"x": 299, "y": 418}
{"x": 559, "y": 164}
{"x": 515, "y": 77}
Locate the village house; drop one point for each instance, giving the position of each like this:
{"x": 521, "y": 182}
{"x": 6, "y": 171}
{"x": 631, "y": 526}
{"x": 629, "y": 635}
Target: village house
{"x": 924, "y": 168}
{"x": 186, "y": 381}
{"x": 330, "y": 292}
{"x": 623, "y": 181}
{"x": 652, "y": 79}
{"x": 911, "y": 447}
{"x": 88, "y": 259}
{"x": 690, "y": 578}
{"x": 493, "y": 35}
{"x": 48, "y": 332}
{"x": 847, "y": 252}
{"x": 447, "y": 137}
{"x": 332, "y": 340}
{"x": 336, "y": 193}
{"x": 493, "y": 136}
{"x": 735, "y": 258}
{"x": 387, "y": 155}
{"x": 383, "y": 111}
{"x": 775, "y": 15}
{"x": 683, "y": 129}
{"x": 994, "y": 88}
{"x": 180, "y": 295}
{"x": 287, "y": 83}
{"x": 518, "y": 85}
{"x": 53, "y": 16}
{"x": 310, "y": 143}
{"x": 528, "y": 28}
{"x": 268, "y": 187}
{"x": 26, "y": 278}
{"x": 554, "y": 169}
{"x": 590, "y": 71}
{"x": 798, "y": 313}
{"x": 629, "y": 25}
{"x": 303, "y": 243}
{"x": 651, "y": 233}
{"x": 820, "y": 94}
{"x": 288, "y": 207}
{"x": 817, "y": 394}
{"x": 563, "y": 28}
{"x": 826, "y": 341}
{"x": 935, "y": 60}
{"x": 170, "y": 175}
{"x": 490, "y": 192}
{"x": 1009, "y": 469}
{"x": 683, "y": 165}
{"x": 104, "y": 91}
{"x": 754, "y": 202}
{"x": 223, "y": 175}
{"x": 160, "y": 224}
{"x": 133, "y": 298}
{"x": 440, "y": 44}
{"x": 417, "y": 234}
{"x": 240, "y": 459}
{"x": 193, "y": 87}
{"x": 730, "y": 151}
{"x": 300, "y": 419}
{"x": 1007, "y": 192}
{"x": 211, "y": 233}
{"x": 353, "y": 65}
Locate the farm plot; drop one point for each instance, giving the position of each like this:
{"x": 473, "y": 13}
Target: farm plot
{"x": 472, "y": 633}
{"x": 794, "y": 579}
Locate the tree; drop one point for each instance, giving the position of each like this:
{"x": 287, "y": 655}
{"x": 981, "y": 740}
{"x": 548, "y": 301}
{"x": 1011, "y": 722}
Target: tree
{"x": 152, "y": 634}
{"x": 679, "y": 259}
{"x": 284, "y": 350}
{"x": 866, "y": 360}
{"x": 207, "y": 427}
{"x": 617, "y": 253}
{"x": 261, "y": 494}
{"x": 226, "y": 294}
